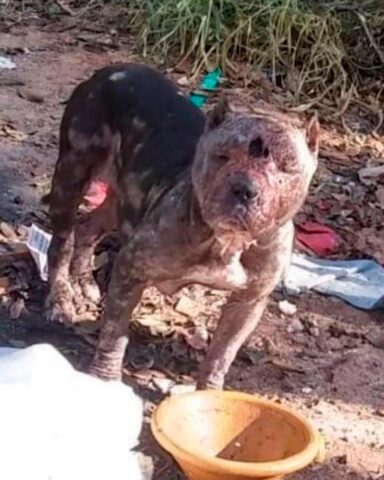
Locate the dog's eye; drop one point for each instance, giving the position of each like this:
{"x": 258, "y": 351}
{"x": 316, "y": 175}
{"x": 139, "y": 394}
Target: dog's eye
{"x": 221, "y": 158}
{"x": 257, "y": 148}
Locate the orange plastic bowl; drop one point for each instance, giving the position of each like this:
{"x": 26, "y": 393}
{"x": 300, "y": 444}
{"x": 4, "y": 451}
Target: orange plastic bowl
{"x": 233, "y": 435}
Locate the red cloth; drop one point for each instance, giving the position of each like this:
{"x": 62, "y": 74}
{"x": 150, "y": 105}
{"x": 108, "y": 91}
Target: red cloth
{"x": 318, "y": 238}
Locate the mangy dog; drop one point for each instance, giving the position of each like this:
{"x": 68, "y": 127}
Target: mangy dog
{"x": 196, "y": 200}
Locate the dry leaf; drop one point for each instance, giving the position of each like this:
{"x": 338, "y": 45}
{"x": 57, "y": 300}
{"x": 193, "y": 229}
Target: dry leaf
{"x": 197, "y": 338}
{"x": 180, "y": 389}
{"x": 16, "y": 309}
{"x": 9, "y": 131}
{"x": 369, "y": 175}
{"x": 187, "y": 307}
{"x": 4, "y": 285}
{"x": 164, "y": 385}
{"x": 13, "y": 253}
{"x": 8, "y": 232}
{"x": 155, "y": 324}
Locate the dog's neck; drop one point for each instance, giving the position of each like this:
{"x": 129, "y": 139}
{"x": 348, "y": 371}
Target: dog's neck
{"x": 199, "y": 231}
{"x": 224, "y": 248}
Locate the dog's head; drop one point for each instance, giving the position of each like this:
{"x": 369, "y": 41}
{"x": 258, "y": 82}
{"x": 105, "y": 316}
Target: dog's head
{"x": 251, "y": 173}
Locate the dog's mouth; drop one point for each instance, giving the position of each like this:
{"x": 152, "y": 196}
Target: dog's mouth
{"x": 244, "y": 222}
{"x": 238, "y": 219}
{"x": 234, "y": 223}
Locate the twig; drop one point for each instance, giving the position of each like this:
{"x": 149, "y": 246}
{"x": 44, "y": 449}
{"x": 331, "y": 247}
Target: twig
{"x": 86, "y": 7}
{"x": 69, "y": 10}
{"x": 65, "y": 8}
{"x": 377, "y": 49}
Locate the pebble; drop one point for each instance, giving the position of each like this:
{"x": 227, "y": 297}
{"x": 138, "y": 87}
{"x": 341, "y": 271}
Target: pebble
{"x": 307, "y": 390}
{"x": 287, "y": 308}
{"x": 296, "y": 326}
{"x": 314, "y": 331}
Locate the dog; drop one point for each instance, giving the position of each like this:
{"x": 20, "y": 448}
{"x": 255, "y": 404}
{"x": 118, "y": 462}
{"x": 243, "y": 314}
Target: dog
{"x": 196, "y": 199}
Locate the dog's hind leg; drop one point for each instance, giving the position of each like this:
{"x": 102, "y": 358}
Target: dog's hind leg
{"x": 74, "y": 171}
{"x": 88, "y": 232}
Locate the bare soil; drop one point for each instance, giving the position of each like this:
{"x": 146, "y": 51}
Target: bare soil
{"x": 327, "y": 360}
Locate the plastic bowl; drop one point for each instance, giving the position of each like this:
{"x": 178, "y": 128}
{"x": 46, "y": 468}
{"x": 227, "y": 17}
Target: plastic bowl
{"x": 233, "y": 435}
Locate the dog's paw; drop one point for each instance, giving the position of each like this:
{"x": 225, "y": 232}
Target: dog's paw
{"x": 90, "y": 290}
{"x": 87, "y": 293}
{"x": 59, "y": 304}
{"x": 104, "y": 370}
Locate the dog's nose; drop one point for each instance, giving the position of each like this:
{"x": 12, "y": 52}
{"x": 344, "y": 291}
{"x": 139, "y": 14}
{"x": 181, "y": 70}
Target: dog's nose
{"x": 244, "y": 191}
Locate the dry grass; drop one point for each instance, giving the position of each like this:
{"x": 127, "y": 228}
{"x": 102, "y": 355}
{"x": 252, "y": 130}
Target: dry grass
{"x": 325, "y": 55}
{"x": 322, "y": 54}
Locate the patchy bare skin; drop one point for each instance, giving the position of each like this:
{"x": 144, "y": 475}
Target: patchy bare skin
{"x": 196, "y": 201}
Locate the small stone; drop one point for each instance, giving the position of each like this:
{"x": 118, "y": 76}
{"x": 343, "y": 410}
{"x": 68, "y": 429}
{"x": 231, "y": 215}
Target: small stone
{"x": 314, "y": 331}
{"x": 307, "y": 390}
{"x": 31, "y": 95}
{"x": 287, "y": 308}
{"x": 297, "y": 326}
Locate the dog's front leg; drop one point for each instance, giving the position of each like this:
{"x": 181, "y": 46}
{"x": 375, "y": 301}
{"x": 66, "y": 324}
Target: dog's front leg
{"x": 266, "y": 265}
{"x": 124, "y": 293}
{"x": 239, "y": 318}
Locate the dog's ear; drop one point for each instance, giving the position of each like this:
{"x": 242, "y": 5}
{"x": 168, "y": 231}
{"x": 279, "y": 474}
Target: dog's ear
{"x": 313, "y": 135}
{"x": 217, "y": 115}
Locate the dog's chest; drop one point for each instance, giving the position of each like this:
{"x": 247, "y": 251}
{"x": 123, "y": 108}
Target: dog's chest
{"x": 174, "y": 250}
{"x": 212, "y": 273}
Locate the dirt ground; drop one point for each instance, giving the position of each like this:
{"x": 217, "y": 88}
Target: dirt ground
{"x": 327, "y": 360}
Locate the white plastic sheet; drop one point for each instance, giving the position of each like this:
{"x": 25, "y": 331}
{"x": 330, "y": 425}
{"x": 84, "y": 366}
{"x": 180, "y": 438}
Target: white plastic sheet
{"x": 60, "y": 424}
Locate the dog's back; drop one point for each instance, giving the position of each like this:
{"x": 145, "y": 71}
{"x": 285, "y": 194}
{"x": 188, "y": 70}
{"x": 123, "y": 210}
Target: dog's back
{"x": 143, "y": 117}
